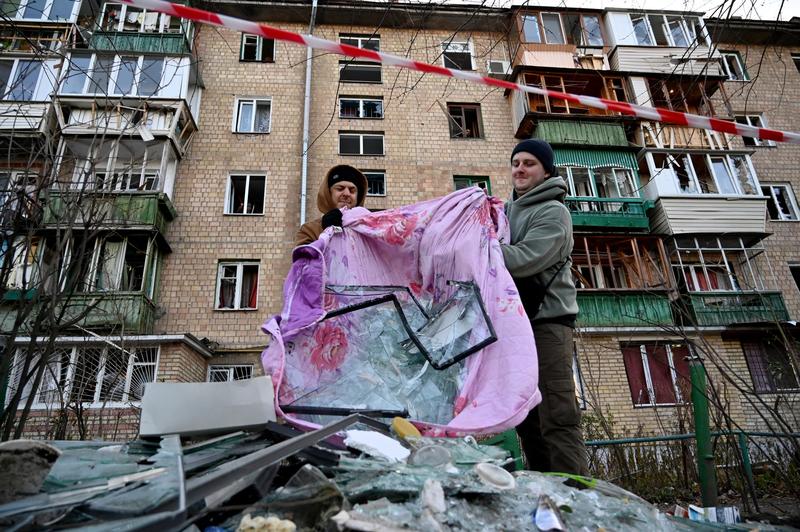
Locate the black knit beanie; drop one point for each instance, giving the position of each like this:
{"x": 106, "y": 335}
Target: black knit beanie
{"x": 344, "y": 172}
{"x": 539, "y": 149}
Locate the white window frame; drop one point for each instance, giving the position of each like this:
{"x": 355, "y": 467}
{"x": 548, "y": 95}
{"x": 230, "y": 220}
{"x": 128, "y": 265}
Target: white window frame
{"x": 116, "y": 67}
{"x": 91, "y": 283}
{"x": 757, "y": 120}
{"x": 789, "y": 194}
{"x": 75, "y": 353}
{"x": 376, "y": 172}
{"x": 560, "y": 23}
{"x": 237, "y": 298}
{"x": 84, "y": 176}
{"x": 48, "y": 7}
{"x": 361, "y": 136}
{"x": 571, "y": 183}
{"x": 577, "y": 376}
{"x": 649, "y": 379}
{"x": 650, "y": 34}
{"x": 259, "y": 49}
{"x": 13, "y": 74}
{"x": 732, "y": 172}
{"x": 230, "y": 368}
{"x": 739, "y": 61}
{"x": 162, "y": 24}
{"x": 360, "y": 39}
{"x": 25, "y": 273}
{"x": 237, "y": 109}
{"x": 229, "y": 191}
{"x": 361, "y": 102}
{"x": 533, "y": 16}
{"x": 367, "y": 64}
{"x": 462, "y": 45}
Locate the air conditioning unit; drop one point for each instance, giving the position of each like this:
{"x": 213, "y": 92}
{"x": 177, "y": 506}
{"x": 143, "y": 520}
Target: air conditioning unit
{"x": 498, "y": 68}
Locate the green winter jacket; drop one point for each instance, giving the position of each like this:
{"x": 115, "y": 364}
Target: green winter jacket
{"x": 541, "y": 240}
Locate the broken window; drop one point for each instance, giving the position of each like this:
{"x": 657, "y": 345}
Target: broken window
{"x": 616, "y": 89}
{"x": 781, "y": 203}
{"x": 619, "y": 264}
{"x": 253, "y": 115}
{"x": 359, "y": 72}
{"x": 553, "y": 32}
{"x": 229, "y": 372}
{"x": 641, "y": 30}
{"x": 245, "y": 194}
{"x": 360, "y": 107}
{"x": 366, "y": 42}
{"x": 458, "y": 55}
{"x": 658, "y": 374}
{"x": 379, "y": 349}
{"x": 770, "y": 365}
{"x": 465, "y": 181}
{"x": 465, "y": 120}
{"x": 755, "y": 121}
{"x": 256, "y": 48}
{"x": 733, "y": 66}
{"x": 376, "y": 182}
{"x": 530, "y": 29}
{"x": 237, "y": 286}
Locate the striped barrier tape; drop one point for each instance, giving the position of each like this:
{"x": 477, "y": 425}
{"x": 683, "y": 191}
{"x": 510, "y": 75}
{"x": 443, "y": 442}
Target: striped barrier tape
{"x": 648, "y": 113}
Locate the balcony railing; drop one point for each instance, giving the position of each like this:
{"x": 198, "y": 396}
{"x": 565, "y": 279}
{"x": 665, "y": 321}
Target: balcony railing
{"x": 658, "y": 135}
{"x": 146, "y": 210}
{"x": 726, "y": 308}
{"x": 623, "y": 308}
{"x": 158, "y": 43}
{"x": 131, "y": 312}
{"x": 609, "y": 212}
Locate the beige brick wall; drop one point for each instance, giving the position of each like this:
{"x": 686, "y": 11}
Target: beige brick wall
{"x": 112, "y": 424}
{"x": 608, "y": 392}
{"x": 774, "y": 91}
{"x": 179, "y": 363}
{"x": 420, "y": 162}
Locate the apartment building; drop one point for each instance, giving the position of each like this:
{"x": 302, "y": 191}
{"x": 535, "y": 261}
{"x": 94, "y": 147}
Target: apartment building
{"x": 189, "y": 143}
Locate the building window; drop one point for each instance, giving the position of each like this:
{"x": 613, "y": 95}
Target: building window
{"x": 117, "y": 264}
{"x": 781, "y": 203}
{"x": 795, "y": 270}
{"x": 733, "y": 66}
{"x": 350, "y": 107}
{"x": 641, "y": 30}
{"x": 21, "y": 80}
{"x": 707, "y": 174}
{"x": 257, "y": 49}
{"x": 245, "y": 194}
{"x": 582, "y": 30}
{"x": 796, "y": 60}
{"x": 658, "y": 374}
{"x": 465, "y": 181}
{"x": 57, "y": 10}
{"x": 755, "y": 121}
{"x": 360, "y": 143}
{"x": 23, "y": 273}
{"x": 770, "y": 366}
{"x": 252, "y": 115}
{"x": 359, "y": 72}
{"x": 122, "y": 17}
{"x": 120, "y": 75}
{"x": 237, "y": 286}
{"x": 553, "y": 32}
{"x": 376, "y": 182}
{"x": 95, "y": 376}
{"x": 465, "y": 121}
{"x": 668, "y": 30}
{"x": 229, "y": 372}
{"x": 366, "y": 42}
{"x": 530, "y": 29}
{"x": 577, "y": 375}
{"x": 458, "y": 55}
{"x": 608, "y": 182}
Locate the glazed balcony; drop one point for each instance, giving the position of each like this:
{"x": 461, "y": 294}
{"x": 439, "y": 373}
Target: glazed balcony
{"x": 131, "y": 312}
{"x": 723, "y": 308}
{"x": 626, "y": 213}
{"x": 624, "y": 308}
{"x": 666, "y": 136}
{"x": 134, "y": 42}
{"x": 148, "y": 211}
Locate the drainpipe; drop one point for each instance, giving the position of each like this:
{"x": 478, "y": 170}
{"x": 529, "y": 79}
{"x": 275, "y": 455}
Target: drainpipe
{"x": 306, "y": 120}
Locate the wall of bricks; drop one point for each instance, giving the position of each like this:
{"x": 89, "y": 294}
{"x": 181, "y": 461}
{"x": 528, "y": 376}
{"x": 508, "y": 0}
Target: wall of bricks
{"x": 112, "y": 424}
{"x": 774, "y": 92}
{"x": 178, "y": 363}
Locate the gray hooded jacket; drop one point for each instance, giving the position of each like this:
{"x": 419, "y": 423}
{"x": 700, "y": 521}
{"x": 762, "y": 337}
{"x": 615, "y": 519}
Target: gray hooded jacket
{"x": 541, "y": 240}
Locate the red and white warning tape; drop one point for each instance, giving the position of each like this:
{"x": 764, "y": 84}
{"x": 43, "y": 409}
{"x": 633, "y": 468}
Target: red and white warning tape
{"x": 648, "y": 113}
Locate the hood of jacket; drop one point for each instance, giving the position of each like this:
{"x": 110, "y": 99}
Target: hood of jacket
{"x": 324, "y": 199}
{"x": 553, "y": 188}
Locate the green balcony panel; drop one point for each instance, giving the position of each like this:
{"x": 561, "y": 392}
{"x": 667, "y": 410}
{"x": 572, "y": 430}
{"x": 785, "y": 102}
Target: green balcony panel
{"x": 623, "y": 308}
{"x": 727, "y": 308}
{"x": 581, "y": 132}
{"x": 147, "y": 211}
{"x": 158, "y": 43}
{"x": 131, "y": 312}
{"x": 630, "y": 213}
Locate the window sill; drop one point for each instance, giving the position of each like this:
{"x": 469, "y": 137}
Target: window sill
{"x": 467, "y": 138}
{"x": 362, "y": 154}
{"x": 788, "y": 391}
{"x": 250, "y": 132}
{"x": 235, "y": 309}
{"x": 782, "y": 221}
{"x": 243, "y": 214}
{"x": 660, "y": 405}
{"x": 100, "y": 405}
{"x": 272, "y": 62}
{"x": 360, "y": 117}
{"x": 376, "y": 195}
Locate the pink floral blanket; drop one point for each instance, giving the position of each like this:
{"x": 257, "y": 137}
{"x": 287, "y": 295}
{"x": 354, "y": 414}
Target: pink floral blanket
{"x": 422, "y": 246}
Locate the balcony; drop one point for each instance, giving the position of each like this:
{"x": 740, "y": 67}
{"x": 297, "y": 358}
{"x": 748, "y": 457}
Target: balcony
{"x": 135, "y": 42}
{"x": 624, "y": 308}
{"x": 148, "y": 211}
{"x": 581, "y": 132}
{"x": 630, "y": 213}
{"x": 727, "y": 308}
{"x": 665, "y": 136}
{"x": 699, "y": 60}
{"x": 23, "y": 118}
{"x": 131, "y": 312}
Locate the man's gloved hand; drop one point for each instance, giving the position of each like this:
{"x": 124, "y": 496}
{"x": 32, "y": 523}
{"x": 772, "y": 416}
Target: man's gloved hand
{"x": 333, "y": 217}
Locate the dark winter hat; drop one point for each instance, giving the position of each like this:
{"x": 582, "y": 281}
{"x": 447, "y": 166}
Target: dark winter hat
{"x": 539, "y": 149}
{"x": 344, "y": 172}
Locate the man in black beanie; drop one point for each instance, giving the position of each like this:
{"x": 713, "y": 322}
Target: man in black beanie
{"x": 343, "y": 186}
{"x": 538, "y": 259}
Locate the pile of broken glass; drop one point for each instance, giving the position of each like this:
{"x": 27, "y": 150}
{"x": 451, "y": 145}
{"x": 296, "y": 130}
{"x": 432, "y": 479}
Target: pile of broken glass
{"x": 406, "y": 312}
{"x": 285, "y": 479}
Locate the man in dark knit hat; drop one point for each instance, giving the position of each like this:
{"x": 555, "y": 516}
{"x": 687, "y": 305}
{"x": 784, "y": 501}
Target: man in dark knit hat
{"x": 344, "y": 186}
{"x": 538, "y": 259}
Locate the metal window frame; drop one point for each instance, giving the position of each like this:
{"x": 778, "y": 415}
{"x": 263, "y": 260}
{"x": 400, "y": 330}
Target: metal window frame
{"x": 230, "y": 368}
{"x": 361, "y": 136}
{"x": 361, "y": 101}
{"x": 789, "y": 193}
